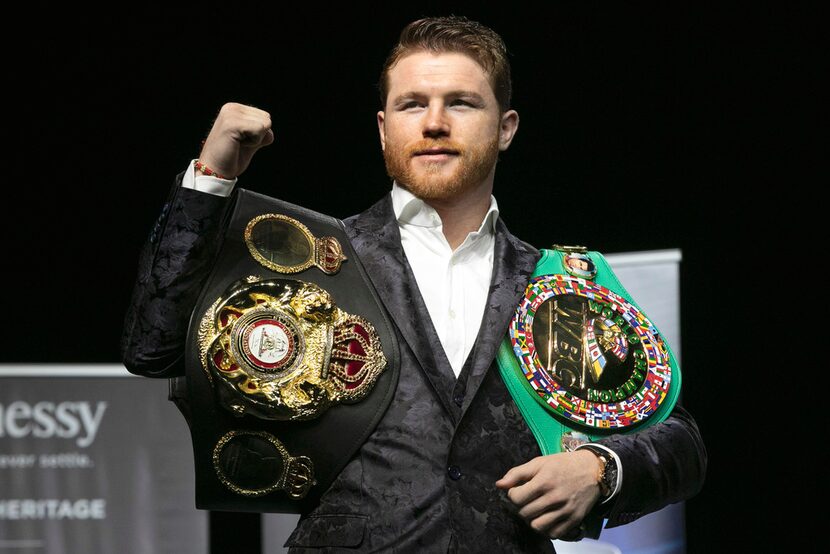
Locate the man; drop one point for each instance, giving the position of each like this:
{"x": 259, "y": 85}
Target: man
{"x": 452, "y": 465}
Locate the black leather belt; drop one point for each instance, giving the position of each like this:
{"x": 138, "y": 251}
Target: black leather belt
{"x": 291, "y": 360}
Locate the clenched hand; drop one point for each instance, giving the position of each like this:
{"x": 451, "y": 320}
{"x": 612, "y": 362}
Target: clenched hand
{"x": 554, "y": 493}
{"x": 237, "y": 133}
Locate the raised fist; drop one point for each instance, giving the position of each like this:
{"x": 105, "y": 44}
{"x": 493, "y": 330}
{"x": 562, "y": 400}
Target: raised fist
{"x": 237, "y": 133}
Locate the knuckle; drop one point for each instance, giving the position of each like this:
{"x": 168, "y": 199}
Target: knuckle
{"x": 538, "y": 525}
{"x": 553, "y": 497}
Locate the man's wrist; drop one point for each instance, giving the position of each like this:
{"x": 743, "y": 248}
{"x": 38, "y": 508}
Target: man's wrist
{"x": 610, "y": 476}
{"x": 210, "y": 184}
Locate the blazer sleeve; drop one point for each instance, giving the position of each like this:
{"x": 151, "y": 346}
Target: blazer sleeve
{"x": 174, "y": 264}
{"x": 662, "y": 464}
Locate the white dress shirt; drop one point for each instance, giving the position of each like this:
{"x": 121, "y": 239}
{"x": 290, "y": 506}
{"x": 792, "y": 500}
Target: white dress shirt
{"x": 454, "y": 284}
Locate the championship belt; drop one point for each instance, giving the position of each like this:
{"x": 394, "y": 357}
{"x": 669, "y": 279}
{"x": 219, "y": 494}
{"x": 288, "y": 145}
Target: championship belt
{"x": 581, "y": 359}
{"x": 291, "y": 360}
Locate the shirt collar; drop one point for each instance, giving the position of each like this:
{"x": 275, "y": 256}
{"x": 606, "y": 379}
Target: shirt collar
{"x": 411, "y": 210}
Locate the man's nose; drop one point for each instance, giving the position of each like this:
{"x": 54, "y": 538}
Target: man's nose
{"x": 436, "y": 123}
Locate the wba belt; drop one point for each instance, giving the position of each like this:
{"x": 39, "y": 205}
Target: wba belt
{"x": 581, "y": 359}
{"x": 291, "y": 360}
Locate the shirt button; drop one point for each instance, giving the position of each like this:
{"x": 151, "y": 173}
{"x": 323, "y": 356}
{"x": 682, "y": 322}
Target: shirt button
{"x": 452, "y": 314}
{"x": 454, "y": 473}
{"x": 458, "y": 399}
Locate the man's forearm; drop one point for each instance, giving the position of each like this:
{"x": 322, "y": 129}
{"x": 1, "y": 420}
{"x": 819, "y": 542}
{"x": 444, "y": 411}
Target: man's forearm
{"x": 173, "y": 266}
{"x": 663, "y": 464}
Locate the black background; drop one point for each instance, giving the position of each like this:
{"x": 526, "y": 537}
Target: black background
{"x": 643, "y": 126}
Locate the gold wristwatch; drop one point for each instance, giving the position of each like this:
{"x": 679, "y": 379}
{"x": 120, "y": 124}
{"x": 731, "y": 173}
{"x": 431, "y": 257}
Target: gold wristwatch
{"x": 607, "y": 480}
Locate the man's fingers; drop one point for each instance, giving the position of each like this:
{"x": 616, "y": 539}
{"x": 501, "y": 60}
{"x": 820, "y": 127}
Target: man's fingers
{"x": 566, "y": 529}
{"x": 250, "y": 126}
{"x": 234, "y": 110}
{"x": 525, "y": 494}
{"x": 256, "y": 137}
{"x": 544, "y": 502}
{"x": 548, "y": 522}
{"x": 575, "y": 533}
{"x": 518, "y": 475}
{"x": 557, "y": 525}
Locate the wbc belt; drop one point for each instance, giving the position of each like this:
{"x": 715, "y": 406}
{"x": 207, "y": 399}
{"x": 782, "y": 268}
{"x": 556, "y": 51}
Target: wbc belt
{"x": 291, "y": 360}
{"x": 581, "y": 359}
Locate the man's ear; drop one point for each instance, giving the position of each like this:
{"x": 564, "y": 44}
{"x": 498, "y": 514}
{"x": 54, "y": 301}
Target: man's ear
{"x": 382, "y": 130}
{"x": 507, "y": 128}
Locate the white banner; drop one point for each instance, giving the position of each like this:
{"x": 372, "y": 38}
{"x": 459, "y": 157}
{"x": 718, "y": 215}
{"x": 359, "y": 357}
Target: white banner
{"x": 93, "y": 462}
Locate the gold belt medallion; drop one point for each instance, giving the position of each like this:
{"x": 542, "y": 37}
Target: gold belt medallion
{"x": 281, "y": 349}
{"x": 283, "y": 244}
{"x": 256, "y": 463}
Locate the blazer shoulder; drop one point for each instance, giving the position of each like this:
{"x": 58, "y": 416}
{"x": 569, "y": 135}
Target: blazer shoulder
{"x": 518, "y": 244}
{"x": 378, "y": 213}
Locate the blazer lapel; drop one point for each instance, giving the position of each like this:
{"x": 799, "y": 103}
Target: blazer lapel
{"x": 375, "y": 236}
{"x": 513, "y": 264}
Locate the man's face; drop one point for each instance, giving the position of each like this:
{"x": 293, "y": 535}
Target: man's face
{"x": 442, "y": 129}
{"x": 577, "y": 264}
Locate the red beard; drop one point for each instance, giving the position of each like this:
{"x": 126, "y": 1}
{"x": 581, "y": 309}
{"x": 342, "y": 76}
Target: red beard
{"x": 431, "y": 181}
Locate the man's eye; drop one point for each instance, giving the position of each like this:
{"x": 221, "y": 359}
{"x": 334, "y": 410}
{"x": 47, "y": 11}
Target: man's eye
{"x": 460, "y": 102}
{"x": 410, "y": 105}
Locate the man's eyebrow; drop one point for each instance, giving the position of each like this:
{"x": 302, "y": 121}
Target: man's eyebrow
{"x": 466, "y": 94}
{"x": 405, "y": 96}
{"x": 414, "y": 95}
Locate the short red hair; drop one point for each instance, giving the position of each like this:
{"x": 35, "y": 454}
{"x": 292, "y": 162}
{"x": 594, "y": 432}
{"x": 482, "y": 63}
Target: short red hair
{"x": 454, "y": 34}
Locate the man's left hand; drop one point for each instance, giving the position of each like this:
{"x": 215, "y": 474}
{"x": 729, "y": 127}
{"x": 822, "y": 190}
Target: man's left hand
{"x": 554, "y": 493}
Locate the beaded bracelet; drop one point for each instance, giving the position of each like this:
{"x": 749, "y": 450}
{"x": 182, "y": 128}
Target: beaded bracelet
{"x": 207, "y": 171}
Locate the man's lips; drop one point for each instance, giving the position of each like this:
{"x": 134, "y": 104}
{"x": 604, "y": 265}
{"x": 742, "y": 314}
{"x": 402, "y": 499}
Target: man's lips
{"x": 436, "y": 152}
